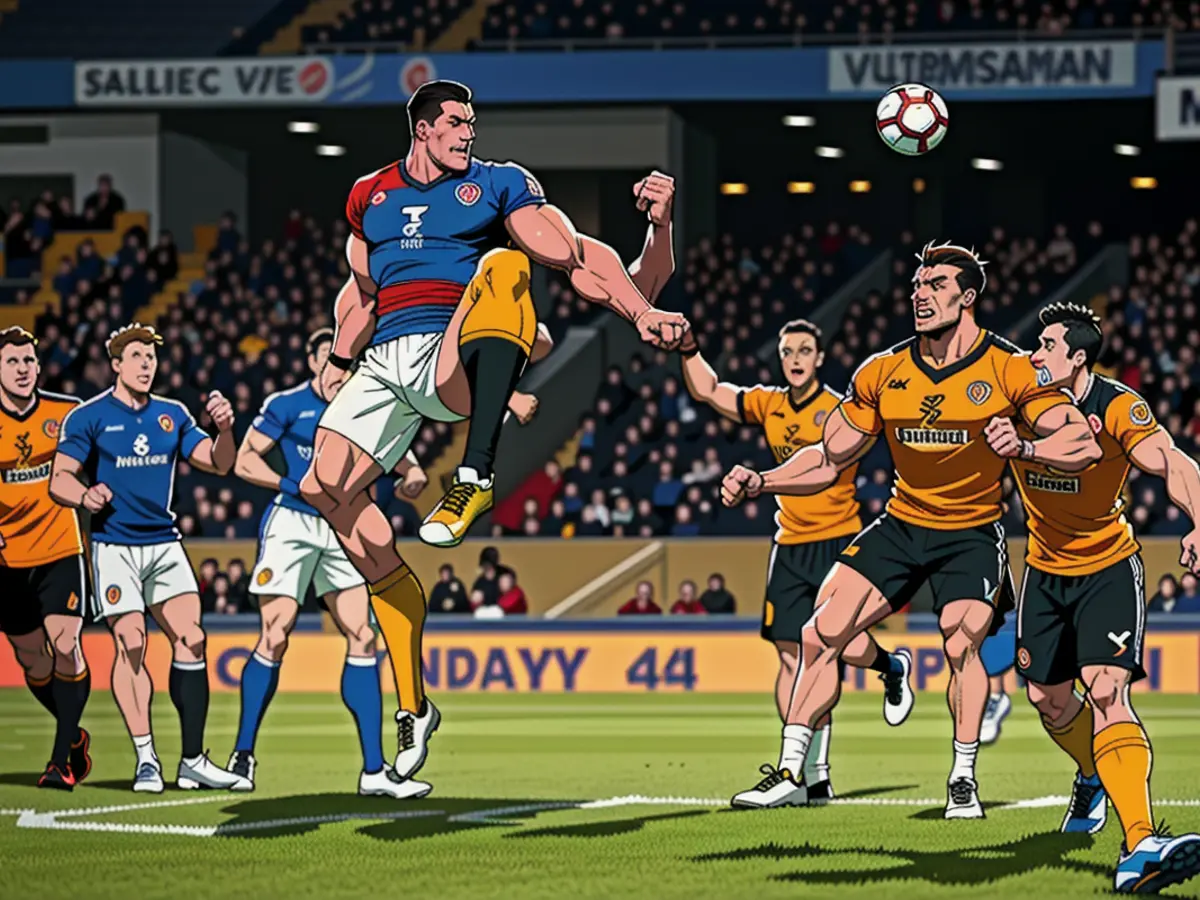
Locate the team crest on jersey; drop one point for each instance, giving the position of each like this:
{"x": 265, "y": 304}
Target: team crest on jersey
{"x": 468, "y": 193}
{"x": 1095, "y": 423}
{"x": 112, "y": 594}
{"x": 50, "y": 428}
{"x": 1139, "y": 413}
{"x": 378, "y": 197}
{"x": 165, "y": 423}
{"x": 978, "y": 392}
{"x": 263, "y": 577}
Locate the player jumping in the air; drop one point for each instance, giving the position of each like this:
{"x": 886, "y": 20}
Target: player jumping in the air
{"x": 936, "y": 397}
{"x": 43, "y": 590}
{"x": 297, "y": 549}
{"x": 116, "y": 459}
{"x": 811, "y": 531}
{"x": 430, "y": 269}
{"x": 1082, "y": 612}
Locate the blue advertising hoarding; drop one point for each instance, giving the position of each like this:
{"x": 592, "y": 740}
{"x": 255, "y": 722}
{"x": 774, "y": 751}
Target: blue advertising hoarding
{"x": 1050, "y": 70}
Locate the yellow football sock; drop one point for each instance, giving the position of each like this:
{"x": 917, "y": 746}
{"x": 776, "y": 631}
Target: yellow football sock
{"x": 399, "y": 604}
{"x": 1124, "y": 759}
{"x": 1075, "y": 738}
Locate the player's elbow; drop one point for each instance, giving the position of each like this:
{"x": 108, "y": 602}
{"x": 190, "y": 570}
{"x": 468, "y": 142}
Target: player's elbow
{"x": 243, "y": 464}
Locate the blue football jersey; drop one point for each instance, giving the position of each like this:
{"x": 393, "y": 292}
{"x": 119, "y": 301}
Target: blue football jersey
{"x": 290, "y": 418}
{"x": 425, "y": 240}
{"x": 133, "y": 452}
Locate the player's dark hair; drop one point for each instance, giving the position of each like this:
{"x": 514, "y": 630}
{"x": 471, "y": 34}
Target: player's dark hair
{"x": 16, "y": 336}
{"x": 1082, "y": 328}
{"x": 971, "y": 275}
{"x": 137, "y": 333}
{"x": 802, "y": 326}
{"x": 317, "y": 339}
{"x": 425, "y": 105}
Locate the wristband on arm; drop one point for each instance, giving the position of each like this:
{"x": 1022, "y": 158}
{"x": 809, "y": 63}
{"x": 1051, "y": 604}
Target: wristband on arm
{"x": 340, "y": 362}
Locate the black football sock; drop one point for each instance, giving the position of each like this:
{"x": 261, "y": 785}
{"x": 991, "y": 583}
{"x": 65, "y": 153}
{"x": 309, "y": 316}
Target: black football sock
{"x": 189, "y": 693}
{"x": 44, "y": 692}
{"x": 882, "y": 662}
{"x": 493, "y": 366}
{"x": 70, "y": 696}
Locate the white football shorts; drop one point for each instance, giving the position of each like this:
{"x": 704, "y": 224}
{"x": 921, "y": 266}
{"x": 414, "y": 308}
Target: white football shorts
{"x": 134, "y": 578}
{"x": 298, "y": 549}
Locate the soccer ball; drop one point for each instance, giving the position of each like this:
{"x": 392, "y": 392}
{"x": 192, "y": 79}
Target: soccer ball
{"x": 912, "y": 119}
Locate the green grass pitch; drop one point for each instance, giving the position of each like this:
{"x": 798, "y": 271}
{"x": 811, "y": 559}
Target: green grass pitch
{"x": 514, "y": 810}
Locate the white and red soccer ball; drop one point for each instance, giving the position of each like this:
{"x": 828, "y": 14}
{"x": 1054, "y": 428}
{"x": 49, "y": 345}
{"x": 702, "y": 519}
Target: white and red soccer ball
{"x": 912, "y": 119}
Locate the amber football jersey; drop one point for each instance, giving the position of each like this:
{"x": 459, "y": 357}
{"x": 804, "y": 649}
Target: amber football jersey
{"x": 789, "y": 427}
{"x": 933, "y": 418}
{"x": 35, "y": 528}
{"x": 1077, "y": 524}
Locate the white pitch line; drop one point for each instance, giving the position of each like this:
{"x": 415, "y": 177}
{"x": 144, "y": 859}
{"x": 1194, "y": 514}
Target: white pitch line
{"x": 134, "y": 807}
{"x": 493, "y": 816}
{"x": 239, "y": 827}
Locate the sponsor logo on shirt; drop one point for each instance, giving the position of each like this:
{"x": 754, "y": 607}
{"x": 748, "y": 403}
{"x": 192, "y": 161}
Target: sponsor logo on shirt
{"x": 25, "y": 476}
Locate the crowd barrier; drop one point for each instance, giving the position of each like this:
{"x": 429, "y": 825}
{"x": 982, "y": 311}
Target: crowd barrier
{"x": 617, "y": 658}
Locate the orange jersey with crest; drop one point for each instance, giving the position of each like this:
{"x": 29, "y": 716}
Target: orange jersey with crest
{"x": 947, "y": 477}
{"x": 36, "y": 530}
{"x": 1077, "y": 523}
{"x": 790, "y": 427}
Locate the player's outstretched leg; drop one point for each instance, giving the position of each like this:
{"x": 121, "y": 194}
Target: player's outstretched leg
{"x": 847, "y": 605}
{"x": 999, "y": 654}
{"x": 496, "y": 340}
{"x": 133, "y": 692}
{"x": 1150, "y": 859}
{"x": 964, "y": 625}
{"x": 336, "y": 486}
{"x": 71, "y": 686}
{"x": 1068, "y": 721}
{"x": 179, "y": 618}
{"x": 260, "y": 679}
{"x": 362, "y": 695}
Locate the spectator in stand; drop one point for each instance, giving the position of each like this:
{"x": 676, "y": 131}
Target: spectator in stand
{"x": 1189, "y": 595}
{"x": 642, "y": 603}
{"x": 207, "y": 572}
{"x": 223, "y": 603}
{"x": 448, "y": 594}
{"x": 667, "y": 489}
{"x": 685, "y": 525}
{"x": 512, "y": 598}
{"x": 487, "y": 584}
{"x": 102, "y": 205}
{"x": 1164, "y": 600}
{"x": 688, "y": 603}
{"x": 239, "y": 583}
{"x": 717, "y": 600}
{"x": 229, "y": 239}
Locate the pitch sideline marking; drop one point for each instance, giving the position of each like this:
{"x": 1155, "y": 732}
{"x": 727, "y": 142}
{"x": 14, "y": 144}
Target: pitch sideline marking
{"x": 28, "y": 818}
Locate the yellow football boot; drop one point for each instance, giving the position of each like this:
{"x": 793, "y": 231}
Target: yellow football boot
{"x": 455, "y": 513}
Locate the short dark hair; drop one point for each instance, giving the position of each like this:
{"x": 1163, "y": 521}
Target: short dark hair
{"x": 425, "y": 105}
{"x": 802, "y": 326}
{"x": 16, "y": 336}
{"x": 317, "y": 339}
{"x": 971, "y": 275}
{"x": 1082, "y": 327}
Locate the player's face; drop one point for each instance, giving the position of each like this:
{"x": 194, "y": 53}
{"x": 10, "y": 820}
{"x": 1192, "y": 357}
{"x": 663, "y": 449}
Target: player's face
{"x": 937, "y": 300}
{"x": 137, "y": 367}
{"x": 799, "y": 358}
{"x": 1053, "y": 359}
{"x": 18, "y": 371}
{"x": 450, "y": 138}
{"x": 316, "y": 361}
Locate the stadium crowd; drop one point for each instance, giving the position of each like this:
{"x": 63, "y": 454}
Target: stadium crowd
{"x": 30, "y": 228}
{"x": 610, "y": 21}
{"x": 387, "y": 22}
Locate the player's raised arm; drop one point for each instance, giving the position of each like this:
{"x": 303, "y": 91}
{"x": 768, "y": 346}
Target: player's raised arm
{"x": 655, "y": 196}
{"x": 213, "y": 455}
{"x": 596, "y": 272}
{"x": 705, "y": 387}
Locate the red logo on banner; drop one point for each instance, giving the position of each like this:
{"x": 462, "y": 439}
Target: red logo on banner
{"x": 313, "y": 77}
{"x": 415, "y": 73}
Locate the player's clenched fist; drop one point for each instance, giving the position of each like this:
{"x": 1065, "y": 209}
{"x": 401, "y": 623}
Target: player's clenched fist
{"x": 661, "y": 329}
{"x": 97, "y": 497}
{"x": 656, "y": 197}
{"x": 523, "y": 406}
{"x": 1189, "y": 556}
{"x": 220, "y": 411}
{"x": 740, "y": 484}
{"x": 1002, "y": 437}
{"x": 414, "y": 482}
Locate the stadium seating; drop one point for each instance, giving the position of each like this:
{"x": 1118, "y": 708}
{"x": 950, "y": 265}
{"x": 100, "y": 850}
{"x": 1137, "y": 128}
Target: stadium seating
{"x": 387, "y": 22}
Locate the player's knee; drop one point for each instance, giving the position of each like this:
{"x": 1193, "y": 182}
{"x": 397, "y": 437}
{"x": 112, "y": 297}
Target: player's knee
{"x": 1049, "y": 700}
{"x": 961, "y": 648}
{"x": 131, "y": 646}
{"x": 190, "y": 643}
{"x": 65, "y": 644}
{"x": 1109, "y": 691}
{"x": 819, "y": 643}
{"x": 35, "y": 661}
{"x": 273, "y": 642}
{"x": 789, "y": 656}
{"x": 506, "y": 272}
{"x": 361, "y": 641}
